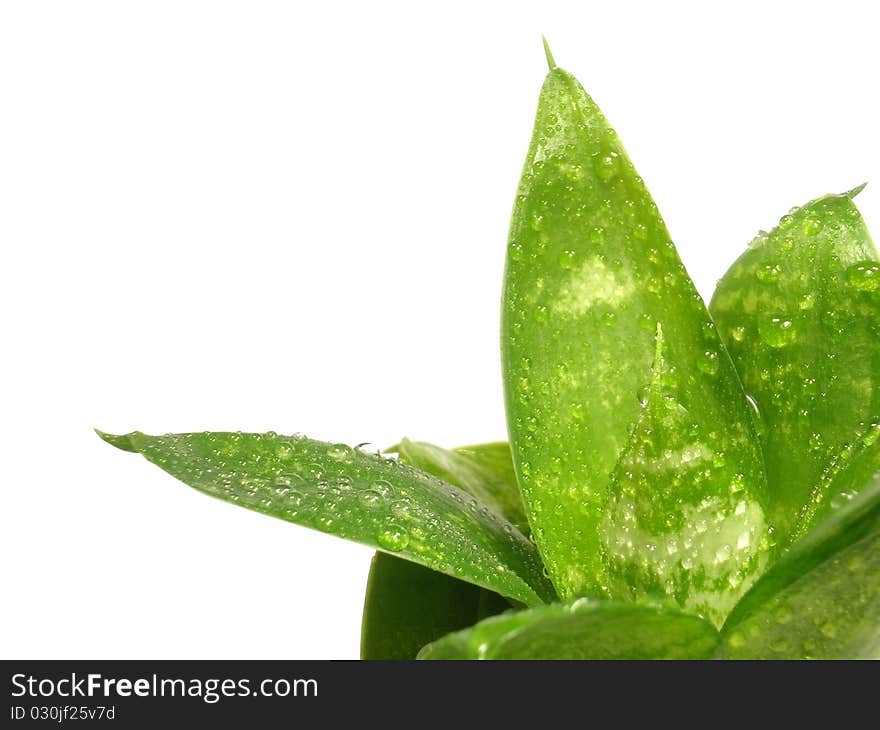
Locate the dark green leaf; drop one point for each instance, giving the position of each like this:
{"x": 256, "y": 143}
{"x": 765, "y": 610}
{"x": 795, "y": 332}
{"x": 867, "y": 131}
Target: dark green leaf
{"x": 478, "y": 470}
{"x": 408, "y": 606}
{"x": 679, "y": 519}
{"x": 587, "y": 629}
{"x": 591, "y": 270}
{"x": 359, "y": 496}
{"x": 800, "y": 313}
{"x": 822, "y": 599}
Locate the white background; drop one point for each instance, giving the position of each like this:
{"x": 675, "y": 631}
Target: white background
{"x": 292, "y": 216}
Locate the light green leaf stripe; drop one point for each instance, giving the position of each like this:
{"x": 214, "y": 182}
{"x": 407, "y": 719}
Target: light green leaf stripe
{"x": 358, "y": 496}
{"x": 680, "y": 522}
{"x": 586, "y": 629}
{"x": 822, "y": 599}
{"x": 590, "y": 272}
{"x": 800, "y": 313}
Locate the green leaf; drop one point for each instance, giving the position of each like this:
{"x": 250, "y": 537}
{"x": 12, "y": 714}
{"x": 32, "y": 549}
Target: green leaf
{"x": 822, "y": 599}
{"x": 586, "y": 629}
{"x": 408, "y": 606}
{"x": 496, "y": 457}
{"x": 123, "y": 443}
{"x": 679, "y": 521}
{"x": 480, "y": 471}
{"x": 359, "y": 496}
{"x": 800, "y": 314}
{"x": 591, "y": 270}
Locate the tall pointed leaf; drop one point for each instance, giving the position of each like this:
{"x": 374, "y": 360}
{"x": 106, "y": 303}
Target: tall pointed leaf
{"x": 356, "y": 495}
{"x": 679, "y": 520}
{"x": 800, "y": 313}
{"x": 590, "y": 271}
{"x": 480, "y": 471}
{"x": 587, "y": 629}
{"x": 822, "y": 599}
{"x": 408, "y": 606}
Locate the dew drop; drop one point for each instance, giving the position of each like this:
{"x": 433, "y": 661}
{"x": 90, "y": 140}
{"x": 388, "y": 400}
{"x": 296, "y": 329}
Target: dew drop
{"x": 787, "y": 219}
{"x": 864, "y": 276}
{"x": 383, "y": 488}
{"x": 778, "y": 645}
{"x": 759, "y": 240}
{"x": 315, "y": 471}
{"x": 401, "y": 508}
{"x": 607, "y": 166}
{"x": 812, "y": 226}
{"x": 807, "y": 301}
{"x": 871, "y": 435}
{"x": 767, "y": 273}
{"x": 839, "y": 500}
{"x": 738, "y": 333}
{"x": 340, "y": 452}
{"x": 393, "y": 538}
{"x": 783, "y": 614}
{"x": 708, "y": 362}
{"x": 371, "y": 499}
{"x": 567, "y": 259}
{"x": 777, "y": 331}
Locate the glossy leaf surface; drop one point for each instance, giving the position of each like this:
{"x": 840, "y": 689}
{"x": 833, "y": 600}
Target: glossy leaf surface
{"x": 484, "y": 471}
{"x": 590, "y": 272}
{"x": 822, "y": 600}
{"x": 680, "y": 521}
{"x": 800, "y": 314}
{"x": 356, "y": 495}
{"x": 587, "y": 629}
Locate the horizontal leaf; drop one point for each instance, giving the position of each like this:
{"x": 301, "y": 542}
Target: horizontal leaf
{"x": 800, "y": 314}
{"x": 679, "y": 520}
{"x": 586, "y": 629}
{"x": 479, "y": 470}
{"x": 822, "y": 599}
{"x": 591, "y": 269}
{"x": 359, "y": 496}
{"x": 408, "y": 606}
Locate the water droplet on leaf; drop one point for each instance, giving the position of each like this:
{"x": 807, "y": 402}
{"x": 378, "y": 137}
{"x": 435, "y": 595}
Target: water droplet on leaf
{"x": 393, "y": 538}
{"x": 767, "y": 273}
{"x": 864, "y": 276}
{"x": 777, "y": 331}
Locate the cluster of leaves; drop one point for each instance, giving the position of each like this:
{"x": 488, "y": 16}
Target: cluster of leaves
{"x": 680, "y": 482}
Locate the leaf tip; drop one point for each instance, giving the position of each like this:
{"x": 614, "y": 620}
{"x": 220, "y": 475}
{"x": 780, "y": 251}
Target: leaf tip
{"x": 548, "y": 53}
{"x": 120, "y": 441}
{"x": 855, "y": 191}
